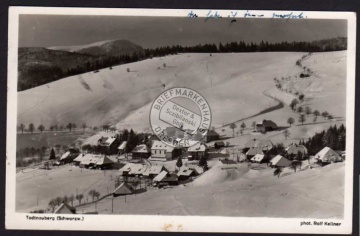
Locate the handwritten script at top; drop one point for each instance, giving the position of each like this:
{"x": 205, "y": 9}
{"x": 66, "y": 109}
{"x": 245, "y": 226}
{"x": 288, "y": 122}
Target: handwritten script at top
{"x": 212, "y": 14}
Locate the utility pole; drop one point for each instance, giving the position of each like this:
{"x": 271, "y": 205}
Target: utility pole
{"x": 112, "y": 205}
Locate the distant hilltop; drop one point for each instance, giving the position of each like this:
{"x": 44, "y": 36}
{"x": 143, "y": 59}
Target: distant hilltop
{"x": 118, "y": 47}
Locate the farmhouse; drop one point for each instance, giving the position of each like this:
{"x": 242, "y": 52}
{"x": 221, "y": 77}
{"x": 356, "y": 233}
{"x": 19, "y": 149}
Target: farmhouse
{"x": 78, "y": 159}
{"x": 123, "y": 189}
{"x": 197, "y": 151}
{"x": 141, "y": 152}
{"x": 253, "y": 152}
{"x": 121, "y": 148}
{"x": 160, "y": 176}
{"x": 295, "y": 149}
{"x": 154, "y": 170}
{"x": 280, "y": 161}
{"x": 185, "y": 173}
{"x": 258, "y": 158}
{"x": 109, "y": 143}
{"x": 211, "y": 135}
{"x": 64, "y": 208}
{"x": 89, "y": 160}
{"x": 327, "y": 155}
{"x": 104, "y": 163}
{"x": 219, "y": 144}
{"x": 69, "y": 156}
{"x": 266, "y": 125}
{"x": 170, "y": 179}
{"x": 263, "y": 144}
{"x": 162, "y": 152}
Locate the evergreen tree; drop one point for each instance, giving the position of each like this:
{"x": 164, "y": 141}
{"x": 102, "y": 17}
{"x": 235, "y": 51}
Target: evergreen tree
{"x": 52, "y": 154}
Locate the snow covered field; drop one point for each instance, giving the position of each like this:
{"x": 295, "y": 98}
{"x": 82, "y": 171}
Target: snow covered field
{"x": 311, "y": 193}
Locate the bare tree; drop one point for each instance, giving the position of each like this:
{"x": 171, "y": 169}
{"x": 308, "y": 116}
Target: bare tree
{"x": 22, "y": 127}
{"x": 286, "y": 134}
{"x": 233, "y": 127}
{"x": 52, "y": 204}
{"x": 41, "y": 128}
{"x": 316, "y": 113}
{"x": 83, "y": 125}
{"x": 253, "y": 124}
{"x": 79, "y": 197}
{"x": 302, "y": 119}
{"x": 31, "y": 127}
{"x": 290, "y": 121}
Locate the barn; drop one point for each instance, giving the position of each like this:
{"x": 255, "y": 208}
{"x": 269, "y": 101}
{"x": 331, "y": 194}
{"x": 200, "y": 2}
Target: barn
{"x": 265, "y": 126}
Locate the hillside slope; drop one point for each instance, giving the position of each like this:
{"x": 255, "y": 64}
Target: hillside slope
{"x": 38, "y": 66}
{"x": 232, "y": 83}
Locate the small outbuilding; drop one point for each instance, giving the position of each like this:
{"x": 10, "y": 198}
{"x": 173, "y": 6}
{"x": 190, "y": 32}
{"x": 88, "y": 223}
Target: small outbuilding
{"x": 123, "y": 189}
{"x": 64, "y": 208}
{"x": 219, "y": 144}
{"x": 121, "y": 148}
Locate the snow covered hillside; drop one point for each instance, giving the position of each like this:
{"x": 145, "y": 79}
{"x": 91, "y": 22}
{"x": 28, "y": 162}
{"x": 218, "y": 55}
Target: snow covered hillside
{"x": 233, "y": 83}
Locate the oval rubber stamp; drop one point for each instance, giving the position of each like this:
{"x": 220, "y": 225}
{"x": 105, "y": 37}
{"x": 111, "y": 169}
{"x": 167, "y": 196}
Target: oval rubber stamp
{"x": 180, "y": 117}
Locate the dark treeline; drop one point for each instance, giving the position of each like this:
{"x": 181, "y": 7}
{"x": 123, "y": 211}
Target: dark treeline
{"x": 335, "y": 44}
{"x": 42, "y": 74}
{"x": 334, "y": 138}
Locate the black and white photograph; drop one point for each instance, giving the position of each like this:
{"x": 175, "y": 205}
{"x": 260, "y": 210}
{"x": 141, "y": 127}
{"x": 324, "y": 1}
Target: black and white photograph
{"x": 224, "y": 116}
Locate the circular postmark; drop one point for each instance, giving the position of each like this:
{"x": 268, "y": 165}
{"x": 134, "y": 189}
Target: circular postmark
{"x": 180, "y": 117}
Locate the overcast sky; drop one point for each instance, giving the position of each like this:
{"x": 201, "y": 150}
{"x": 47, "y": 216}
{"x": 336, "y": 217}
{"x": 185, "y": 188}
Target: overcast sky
{"x": 150, "y": 32}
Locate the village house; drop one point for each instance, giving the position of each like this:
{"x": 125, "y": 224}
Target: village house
{"x": 265, "y": 126}
{"x": 280, "y": 161}
{"x": 211, "y": 135}
{"x": 132, "y": 169}
{"x": 69, "y": 156}
{"x": 141, "y": 152}
{"x": 185, "y": 173}
{"x": 121, "y": 148}
{"x": 153, "y": 170}
{"x": 263, "y": 144}
{"x": 258, "y": 158}
{"x": 253, "y": 152}
{"x": 295, "y": 150}
{"x": 160, "y": 176}
{"x": 162, "y": 152}
{"x": 197, "y": 151}
{"x": 110, "y": 144}
{"x": 104, "y": 163}
{"x": 64, "y": 208}
{"x": 89, "y": 161}
{"x": 78, "y": 159}
{"x": 327, "y": 155}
